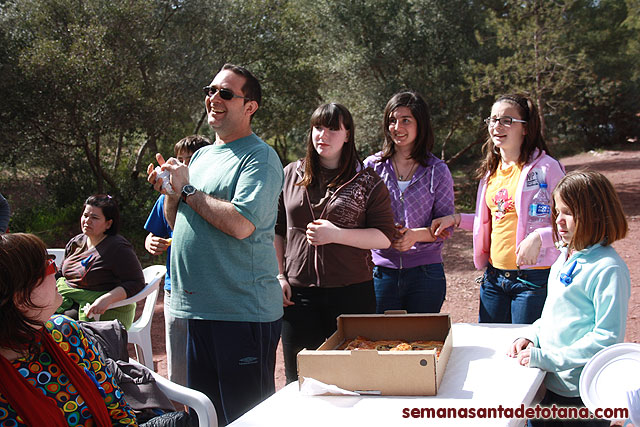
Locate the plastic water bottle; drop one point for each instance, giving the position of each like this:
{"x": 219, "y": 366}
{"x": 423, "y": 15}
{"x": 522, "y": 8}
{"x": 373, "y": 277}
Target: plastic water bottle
{"x": 539, "y": 213}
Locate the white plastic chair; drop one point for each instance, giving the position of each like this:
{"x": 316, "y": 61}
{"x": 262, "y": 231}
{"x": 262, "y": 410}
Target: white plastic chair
{"x": 58, "y": 254}
{"x": 140, "y": 331}
{"x": 198, "y": 401}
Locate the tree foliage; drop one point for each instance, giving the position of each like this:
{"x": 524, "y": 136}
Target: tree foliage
{"x": 90, "y": 90}
{"x": 372, "y": 49}
{"x": 566, "y": 55}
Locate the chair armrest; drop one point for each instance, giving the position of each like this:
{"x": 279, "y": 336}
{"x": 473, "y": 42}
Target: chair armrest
{"x": 192, "y": 398}
{"x": 195, "y": 399}
{"x": 150, "y": 287}
{"x": 152, "y": 276}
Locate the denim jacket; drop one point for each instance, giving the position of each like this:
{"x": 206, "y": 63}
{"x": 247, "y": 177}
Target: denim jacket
{"x": 429, "y": 195}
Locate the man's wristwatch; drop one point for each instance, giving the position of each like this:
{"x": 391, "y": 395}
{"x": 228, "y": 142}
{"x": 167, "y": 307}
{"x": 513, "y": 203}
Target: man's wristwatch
{"x": 187, "y": 190}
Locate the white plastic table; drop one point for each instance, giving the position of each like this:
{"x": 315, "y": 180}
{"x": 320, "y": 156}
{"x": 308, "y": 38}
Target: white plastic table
{"x": 479, "y": 377}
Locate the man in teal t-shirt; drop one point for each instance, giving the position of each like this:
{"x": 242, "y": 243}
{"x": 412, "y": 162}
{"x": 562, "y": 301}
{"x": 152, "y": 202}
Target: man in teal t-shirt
{"x": 223, "y": 263}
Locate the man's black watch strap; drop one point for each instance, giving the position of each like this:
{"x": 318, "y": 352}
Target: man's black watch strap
{"x": 187, "y": 190}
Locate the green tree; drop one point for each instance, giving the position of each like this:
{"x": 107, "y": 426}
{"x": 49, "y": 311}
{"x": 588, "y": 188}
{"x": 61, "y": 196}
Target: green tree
{"x": 535, "y": 54}
{"x": 371, "y": 49}
{"x": 632, "y": 22}
{"x": 568, "y": 55}
{"x": 121, "y": 80}
{"x": 94, "y": 80}
{"x": 269, "y": 37}
{"x": 606, "y": 112}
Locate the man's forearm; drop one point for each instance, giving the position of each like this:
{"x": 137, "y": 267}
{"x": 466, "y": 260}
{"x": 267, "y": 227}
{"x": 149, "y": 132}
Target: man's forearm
{"x": 221, "y": 214}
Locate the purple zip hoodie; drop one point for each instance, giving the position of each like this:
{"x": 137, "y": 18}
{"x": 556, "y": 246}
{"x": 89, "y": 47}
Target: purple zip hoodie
{"x": 429, "y": 195}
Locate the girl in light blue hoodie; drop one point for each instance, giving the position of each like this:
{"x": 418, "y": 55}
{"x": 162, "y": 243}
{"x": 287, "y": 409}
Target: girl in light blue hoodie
{"x": 588, "y": 291}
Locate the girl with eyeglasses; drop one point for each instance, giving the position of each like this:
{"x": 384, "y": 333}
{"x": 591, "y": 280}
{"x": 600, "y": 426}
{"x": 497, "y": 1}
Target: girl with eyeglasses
{"x": 589, "y": 290}
{"x": 409, "y": 275}
{"x": 516, "y": 161}
{"x": 331, "y": 212}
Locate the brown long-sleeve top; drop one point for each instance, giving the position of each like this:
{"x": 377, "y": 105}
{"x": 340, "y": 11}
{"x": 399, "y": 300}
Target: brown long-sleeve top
{"x": 110, "y": 264}
{"x": 362, "y": 202}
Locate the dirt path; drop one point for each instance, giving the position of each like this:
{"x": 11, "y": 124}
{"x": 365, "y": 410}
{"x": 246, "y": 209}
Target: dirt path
{"x": 621, "y": 167}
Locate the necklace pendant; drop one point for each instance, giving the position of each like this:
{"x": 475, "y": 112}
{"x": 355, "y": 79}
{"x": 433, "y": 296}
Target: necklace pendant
{"x": 401, "y": 178}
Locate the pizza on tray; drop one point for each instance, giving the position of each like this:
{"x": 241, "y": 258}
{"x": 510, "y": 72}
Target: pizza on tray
{"x": 364, "y": 343}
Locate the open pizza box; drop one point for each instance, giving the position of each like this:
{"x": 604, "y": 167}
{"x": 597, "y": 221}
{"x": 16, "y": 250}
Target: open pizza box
{"x": 389, "y": 373}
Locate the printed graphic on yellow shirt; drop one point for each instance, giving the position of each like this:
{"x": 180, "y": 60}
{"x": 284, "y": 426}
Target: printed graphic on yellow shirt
{"x": 504, "y": 203}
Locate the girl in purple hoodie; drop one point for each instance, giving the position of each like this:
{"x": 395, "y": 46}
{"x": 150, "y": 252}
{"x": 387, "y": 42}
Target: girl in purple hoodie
{"x": 409, "y": 275}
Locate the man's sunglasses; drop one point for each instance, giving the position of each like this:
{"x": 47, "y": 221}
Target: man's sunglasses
{"x": 225, "y": 94}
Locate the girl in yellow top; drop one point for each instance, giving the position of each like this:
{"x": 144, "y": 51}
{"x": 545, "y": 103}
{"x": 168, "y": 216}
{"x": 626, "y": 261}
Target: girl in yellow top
{"x": 514, "y": 286}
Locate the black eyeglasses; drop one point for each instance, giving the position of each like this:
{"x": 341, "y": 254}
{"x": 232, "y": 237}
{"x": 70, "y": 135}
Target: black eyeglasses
{"x": 225, "y": 94}
{"x": 504, "y": 120}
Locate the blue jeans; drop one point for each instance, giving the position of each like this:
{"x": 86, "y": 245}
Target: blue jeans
{"x": 512, "y": 296}
{"x": 420, "y": 289}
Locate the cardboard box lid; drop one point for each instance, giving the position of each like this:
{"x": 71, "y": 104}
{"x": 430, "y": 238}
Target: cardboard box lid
{"x": 410, "y": 327}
